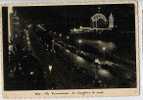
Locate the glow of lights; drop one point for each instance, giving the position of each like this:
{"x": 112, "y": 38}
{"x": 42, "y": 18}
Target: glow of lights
{"x": 111, "y": 45}
{"x": 81, "y": 27}
{"x": 29, "y": 25}
{"x": 20, "y": 68}
{"x": 68, "y": 51}
{"x": 11, "y": 71}
{"x": 74, "y": 29}
{"x": 10, "y": 47}
{"x": 53, "y": 40}
{"x": 31, "y": 73}
{"x": 67, "y": 37}
{"x": 41, "y": 27}
{"x": 80, "y": 41}
{"x": 97, "y": 61}
{"x": 108, "y": 63}
{"x": 50, "y": 68}
{"x": 104, "y": 48}
{"x": 80, "y": 59}
{"x": 47, "y": 46}
{"x": 16, "y": 36}
{"x": 27, "y": 38}
{"x": 104, "y": 73}
{"x": 99, "y": 81}
{"x": 28, "y": 42}
{"x": 99, "y": 42}
{"x": 82, "y": 52}
{"x": 60, "y": 35}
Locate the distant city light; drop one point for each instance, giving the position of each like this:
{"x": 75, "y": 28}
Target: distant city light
{"x": 80, "y": 59}
{"x": 20, "y": 68}
{"x": 28, "y": 42}
{"x": 97, "y": 61}
{"x": 10, "y": 47}
{"x": 104, "y": 73}
{"x": 47, "y": 46}
{"x": 11, "y": 70}
{"x": 67, "y": 37}
{"x": 80, "y": 27}
{"x": 29, "y": 26}
{"x": 50, "y": 68}
{"x": 104, "y": 48}
{"x": 99, "y": 81}
{"x": 80, "y": 41}
{"x": 31, "y": 73}
{"x": 60, "y": 35}
{"x": 74, "y": 29}
{"x": 82, "y": 52}
{"x": 68, "y": 51}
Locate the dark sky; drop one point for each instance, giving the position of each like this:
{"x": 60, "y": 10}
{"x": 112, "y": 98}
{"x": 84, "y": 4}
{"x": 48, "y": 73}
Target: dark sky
{"x": 63, "y": 18}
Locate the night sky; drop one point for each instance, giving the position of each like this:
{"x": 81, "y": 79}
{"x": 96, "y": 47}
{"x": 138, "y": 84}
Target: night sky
{"x": 63, "y": 18}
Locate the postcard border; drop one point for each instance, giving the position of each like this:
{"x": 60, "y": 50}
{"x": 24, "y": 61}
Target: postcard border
{"x": 80, "y": 92}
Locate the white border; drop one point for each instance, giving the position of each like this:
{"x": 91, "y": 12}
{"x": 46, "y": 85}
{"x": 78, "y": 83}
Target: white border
{"x": 107, "y": 92}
